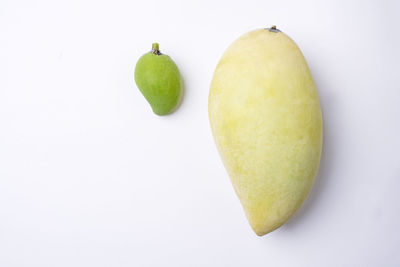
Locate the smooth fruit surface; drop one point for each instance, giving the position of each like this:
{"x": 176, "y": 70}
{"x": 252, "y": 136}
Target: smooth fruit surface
{"x": 266, "y": 121}
{"x": 159, "y": 80}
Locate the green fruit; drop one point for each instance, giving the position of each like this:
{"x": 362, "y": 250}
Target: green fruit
{"x": 159, "y": 80}
{"x": 267, "y": 123}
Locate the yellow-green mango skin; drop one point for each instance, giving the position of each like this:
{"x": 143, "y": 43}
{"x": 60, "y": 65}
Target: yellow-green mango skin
{"x": 266, "y": 120}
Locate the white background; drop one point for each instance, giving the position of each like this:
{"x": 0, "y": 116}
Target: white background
{"x": 89, "y": 176}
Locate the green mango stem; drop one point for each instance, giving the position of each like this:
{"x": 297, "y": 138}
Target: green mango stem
{"x": 155, "y": 49}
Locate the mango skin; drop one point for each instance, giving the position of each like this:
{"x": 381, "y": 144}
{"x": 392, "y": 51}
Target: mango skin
{"x": 266, "y": 120}
{"x": 159, "y": 80}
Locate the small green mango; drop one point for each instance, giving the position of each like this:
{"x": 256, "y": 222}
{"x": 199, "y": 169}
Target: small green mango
{"x": 159, "y": 80}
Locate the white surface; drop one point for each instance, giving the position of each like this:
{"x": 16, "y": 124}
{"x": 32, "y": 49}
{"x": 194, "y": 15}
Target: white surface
{"x": 90, "y": 177}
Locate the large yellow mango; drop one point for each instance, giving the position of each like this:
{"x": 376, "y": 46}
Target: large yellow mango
{"x": 266, "y": 121}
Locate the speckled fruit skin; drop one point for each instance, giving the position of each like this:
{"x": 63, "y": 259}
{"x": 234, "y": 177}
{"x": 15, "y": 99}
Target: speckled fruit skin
{"x": 159, "y": 80}
{"x": 266, "y": 120}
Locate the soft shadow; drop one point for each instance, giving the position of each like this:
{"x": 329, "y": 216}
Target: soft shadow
{"x": 324, "y": 176}
{"x": 181, "y": 99}
{"x": 320, "y": 184}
